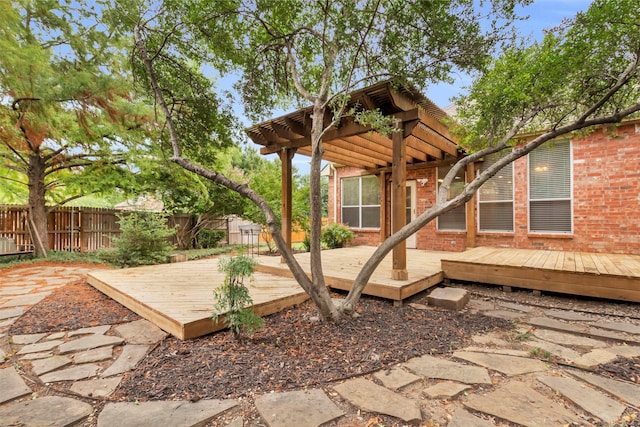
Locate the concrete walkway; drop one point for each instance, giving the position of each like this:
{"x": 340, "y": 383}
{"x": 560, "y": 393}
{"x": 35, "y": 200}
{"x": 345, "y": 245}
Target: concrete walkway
{"x": 502, "y": 377}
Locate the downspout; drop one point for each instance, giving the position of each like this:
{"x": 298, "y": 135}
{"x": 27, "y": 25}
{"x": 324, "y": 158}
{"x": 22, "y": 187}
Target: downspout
{"x": 335, "y": 192}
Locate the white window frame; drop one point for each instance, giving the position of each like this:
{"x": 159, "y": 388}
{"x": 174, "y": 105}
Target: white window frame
{"x": 360, "y": 206}
{"x": 488, "y": 202}
{"x": 569, "y": 199}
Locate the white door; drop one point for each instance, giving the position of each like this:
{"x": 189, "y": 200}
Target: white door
{"x": 411, "y": 210}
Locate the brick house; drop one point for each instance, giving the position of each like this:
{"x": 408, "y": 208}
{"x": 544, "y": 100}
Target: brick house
{"x": 581, "y": 193}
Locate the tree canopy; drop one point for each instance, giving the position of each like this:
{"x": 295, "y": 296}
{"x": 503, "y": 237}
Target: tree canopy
{"x": 67, "y": 116}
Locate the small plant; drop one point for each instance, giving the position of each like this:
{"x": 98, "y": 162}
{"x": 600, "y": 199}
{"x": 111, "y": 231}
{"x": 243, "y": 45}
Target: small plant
{"x": 233, "y": 301}
{"x": 524, "y": 336}
{"x": 336, "y": 235}
{"x": 143, "y": 240}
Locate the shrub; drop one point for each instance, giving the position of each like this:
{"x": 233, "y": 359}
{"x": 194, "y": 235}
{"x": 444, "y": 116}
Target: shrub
{"x": 143, "y": 240}
{"x": 208, "y": 239}
{"x": 336, "y": 235}
{"x": 233, "y": 301}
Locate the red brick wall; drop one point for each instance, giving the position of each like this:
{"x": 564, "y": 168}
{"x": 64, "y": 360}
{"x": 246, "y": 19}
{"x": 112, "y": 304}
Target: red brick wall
{"x": 606, "y": 201}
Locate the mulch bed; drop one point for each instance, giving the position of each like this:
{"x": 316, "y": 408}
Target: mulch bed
{"x": 291, "y": 351}
{"x": 73, "y": 306}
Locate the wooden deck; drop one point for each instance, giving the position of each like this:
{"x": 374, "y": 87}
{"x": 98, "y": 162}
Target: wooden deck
{"x": 610, "y": 276}
{"x": 179, "y": 297}
{"x": 341, "y": 267}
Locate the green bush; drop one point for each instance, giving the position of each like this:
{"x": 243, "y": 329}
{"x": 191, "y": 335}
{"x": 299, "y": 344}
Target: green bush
{"x": 336, "y": 235}
{"x": 143, "y": 240}
{"x": 233, "y": 301}
{"x": 208, "y": 239}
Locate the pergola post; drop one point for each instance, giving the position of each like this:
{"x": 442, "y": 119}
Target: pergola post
{"x": 399, "y": 202}
{"x": 470, "y": 209}
{"x": 286, "y": 157}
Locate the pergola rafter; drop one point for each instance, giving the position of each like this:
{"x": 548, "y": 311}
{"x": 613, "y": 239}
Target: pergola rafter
{"x": 424, "y": 140}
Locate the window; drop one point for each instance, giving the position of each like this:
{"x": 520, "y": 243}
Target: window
{"x": 495, "y": 199}
{"x": 455, "y": 219}
{"x": 361, "y": 202}
{"x": 550, "y": 188}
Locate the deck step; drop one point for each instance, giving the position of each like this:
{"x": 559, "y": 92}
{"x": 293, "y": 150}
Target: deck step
{"x": 449, "y": 298}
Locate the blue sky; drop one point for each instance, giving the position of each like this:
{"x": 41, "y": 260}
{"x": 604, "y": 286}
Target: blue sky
{"x": 543, "y": 14}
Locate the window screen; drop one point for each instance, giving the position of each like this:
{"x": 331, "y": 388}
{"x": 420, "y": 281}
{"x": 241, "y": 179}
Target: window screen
{"x": 550, "y": 209}
{"x": 495, "y": 199}
{"x": 455, "y": 219}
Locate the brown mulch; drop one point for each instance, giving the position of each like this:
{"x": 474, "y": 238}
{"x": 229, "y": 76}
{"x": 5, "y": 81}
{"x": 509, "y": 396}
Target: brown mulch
{"x": 291, "y": 351}
{"x": 73, "y": 306}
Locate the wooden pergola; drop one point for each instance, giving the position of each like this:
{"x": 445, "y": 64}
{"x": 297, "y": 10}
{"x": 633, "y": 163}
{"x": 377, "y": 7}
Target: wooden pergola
{"x": 424, "y": 142}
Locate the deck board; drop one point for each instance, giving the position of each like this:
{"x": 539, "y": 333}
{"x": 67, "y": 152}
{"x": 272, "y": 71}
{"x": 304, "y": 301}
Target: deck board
{"x": 179, "y": 297}
{"x": 341, "y": 267}
{"x": 608, "y": 276}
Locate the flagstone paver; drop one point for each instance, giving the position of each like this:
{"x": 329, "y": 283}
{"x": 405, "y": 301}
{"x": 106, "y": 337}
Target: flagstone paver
{"x": 22, "y": 300}
{"x": 140, "y": 332}
{"x": 503, "y": 351}
{"x": 35, "y": 356}
{"x": 78, "y": 372}
{"x": 489, "y": 339}
{"x": 557, "y": 350}
{"x": 564, "y": 338}
{"x": 463, "y": 418}
{"x": 101, "y": 387}
{"x": 43, "y": 366}
{"x": 88, "y": 343}
{"x": 9, "y": 313}
{"x": 396, "y": 378}
{"x": 446, "y": 390}
{"x": 625, "y": 350}
{"x": 508, "y": 365}
{"x": 131, "y": 355}
{"x": 517, "y": 307}
{"x": 56, "y": 336}
{"x": 618, "y": 326}
{"x": 27, "y": 338}
{"x": 40, "y": 346}
{"x": 594, "y": 358}
{"x": 170, "y": 413}
{"x": 304, "y": 408}
{"x": 371, "y": 397}
{"x": 567, "y": 315}
{"x": 13, "y": 386}
{"x": 433, "y": 367}
{"x": 503, "y": 314}
{"x": 518, "y": 403}
{"x": 592, "y": 401}
{"x": 94, "y": 355}
{"x": 93, "y": 330}
{"x": 45, "y": 411}
{"x": 623, "y": 390}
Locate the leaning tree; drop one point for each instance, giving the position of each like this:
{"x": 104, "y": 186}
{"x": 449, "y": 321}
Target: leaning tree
{"x": 579, "y": 76}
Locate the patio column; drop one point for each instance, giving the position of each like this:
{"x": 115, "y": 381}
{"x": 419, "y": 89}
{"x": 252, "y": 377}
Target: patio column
{"x": 399, "y": 202}
{"x": 286, "y": 156}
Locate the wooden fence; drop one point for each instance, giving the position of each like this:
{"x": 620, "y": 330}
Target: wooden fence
{"x": 72, "y": 228}
{"x": 76, "y": 229}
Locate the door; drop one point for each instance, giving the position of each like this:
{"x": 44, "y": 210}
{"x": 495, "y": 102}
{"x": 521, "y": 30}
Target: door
{"x": 411, "y": 211}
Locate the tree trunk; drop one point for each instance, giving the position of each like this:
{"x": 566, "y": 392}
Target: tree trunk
{"x": 321, "y": 297}
{"x": 37, "y": 204}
